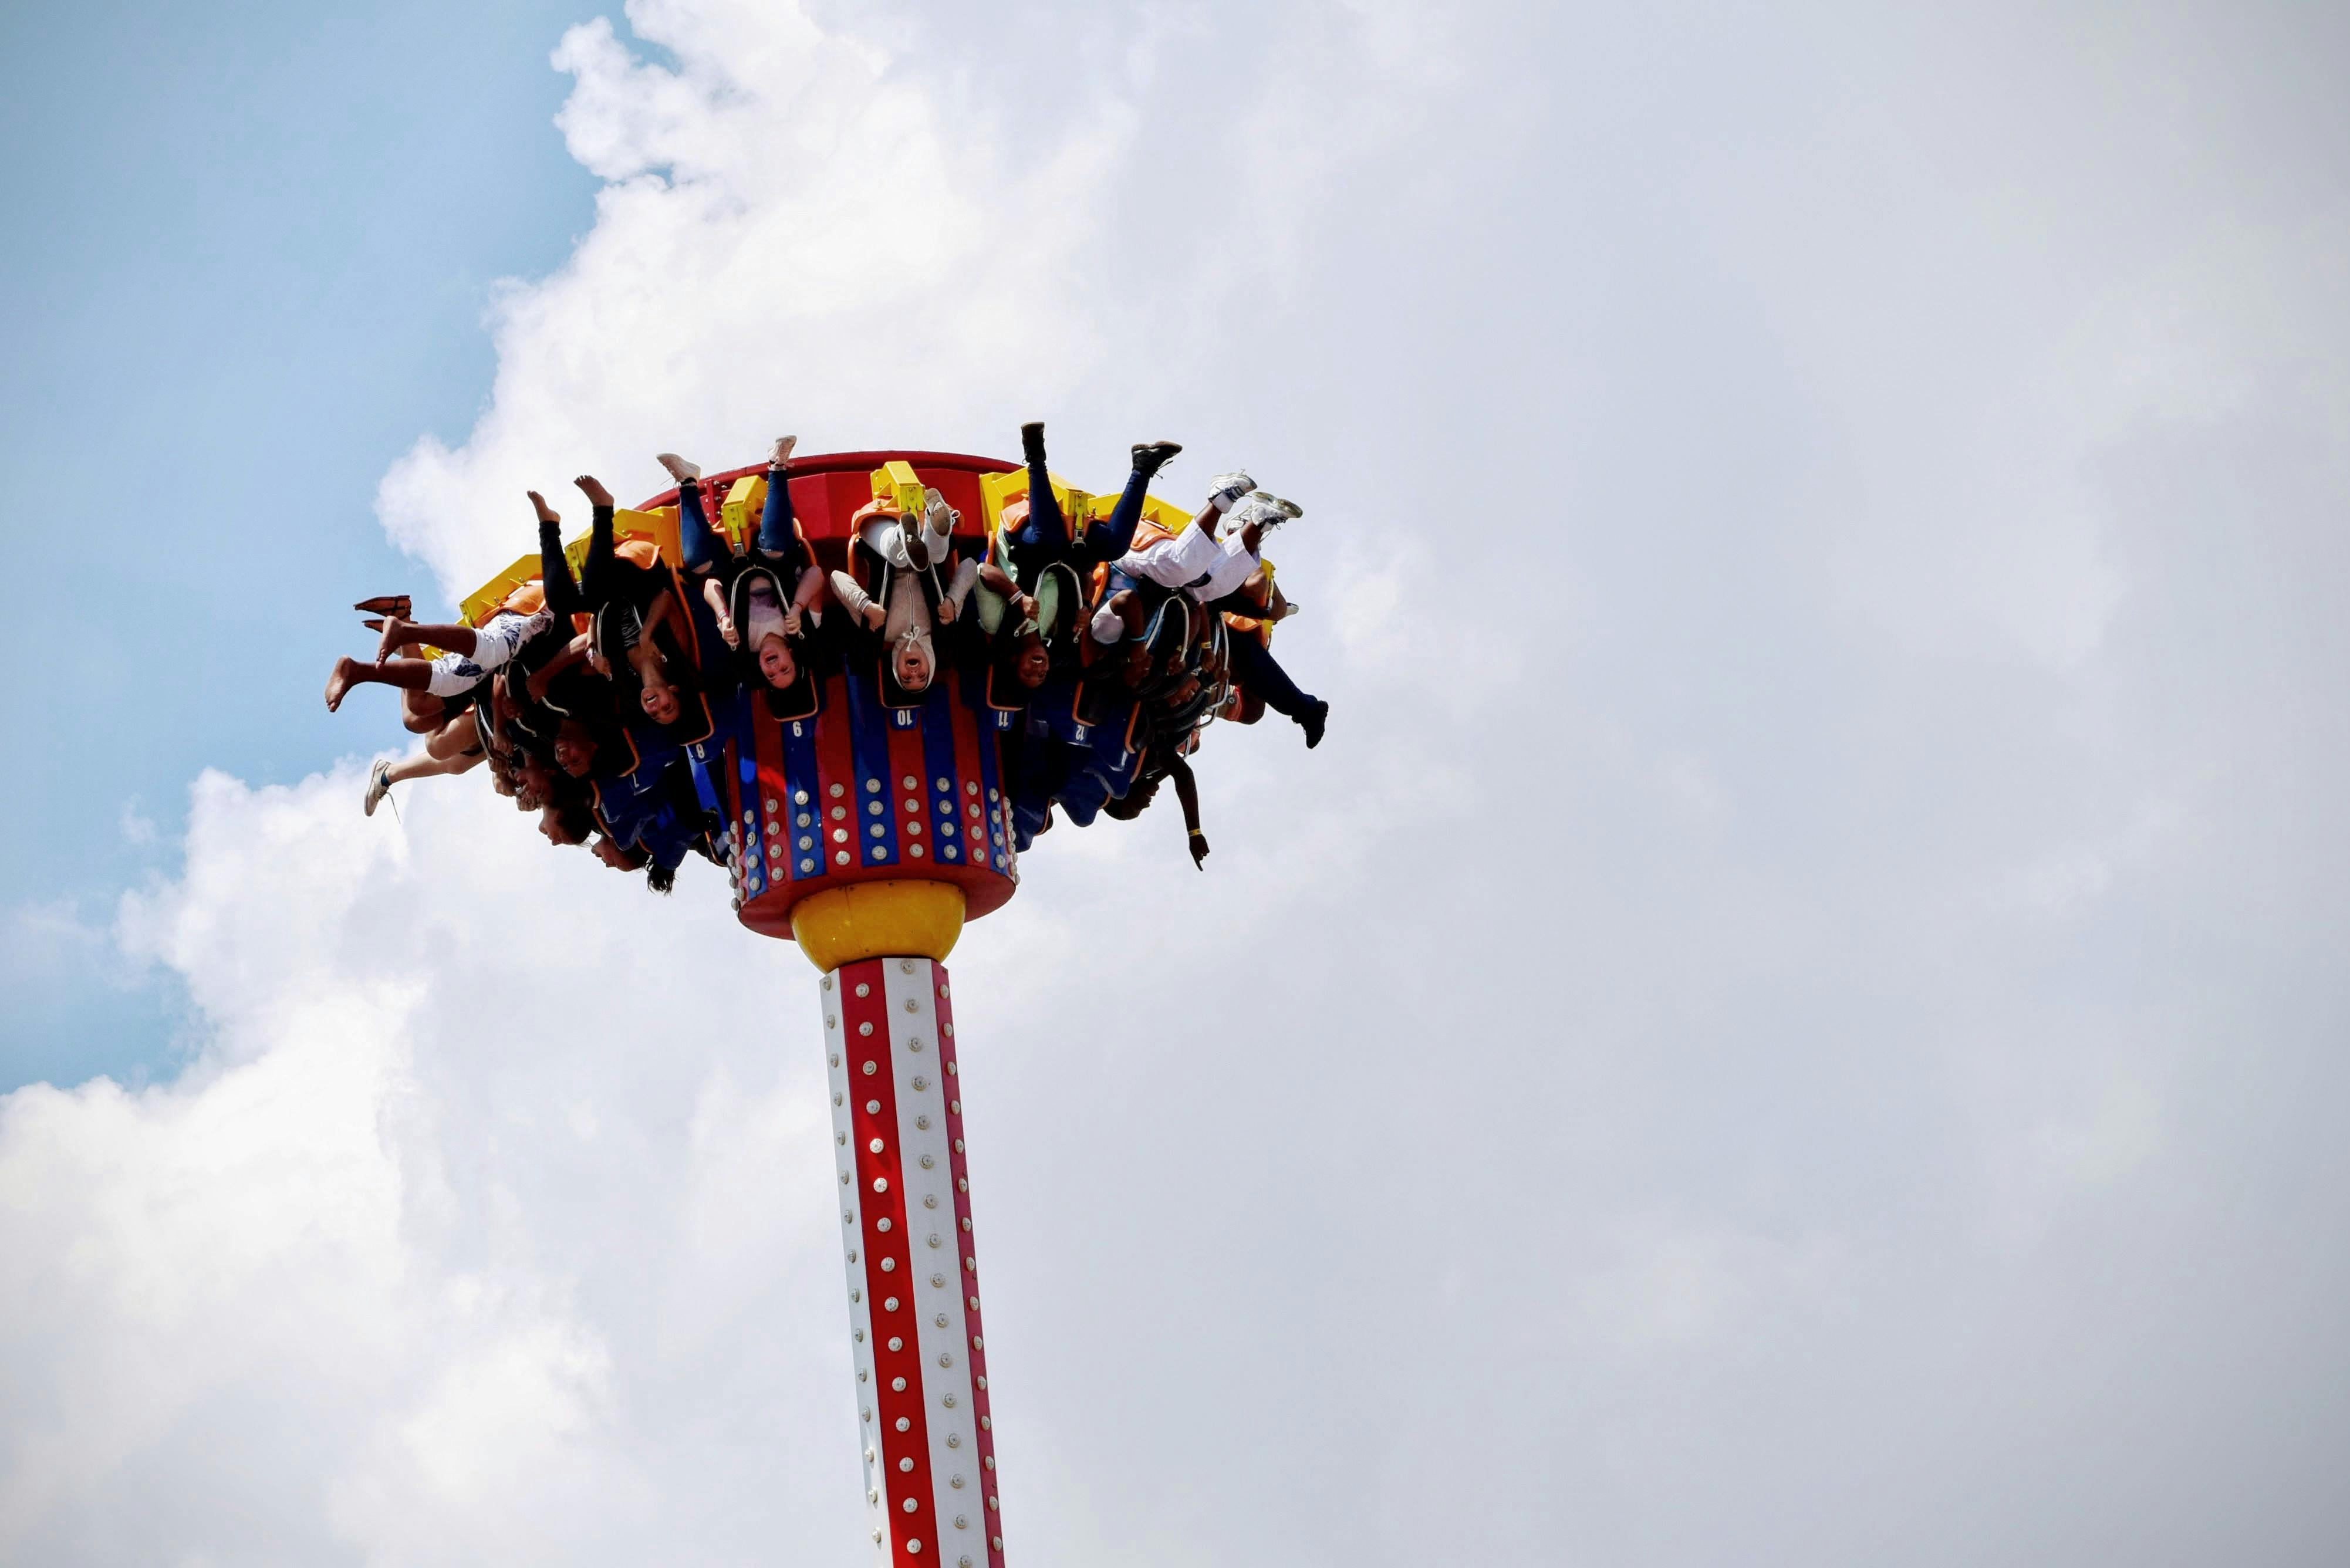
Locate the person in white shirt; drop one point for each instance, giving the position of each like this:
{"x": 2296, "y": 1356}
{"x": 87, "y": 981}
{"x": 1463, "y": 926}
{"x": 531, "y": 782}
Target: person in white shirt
{"x": 1196, "y": 563}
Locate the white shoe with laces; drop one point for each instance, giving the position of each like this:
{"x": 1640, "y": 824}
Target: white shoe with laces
{"x": 379, "y": 786}
{"x": 684, "y": 472}
{"x": 1227, "y": 488}
{"x": 781, "y": 452}
{"x": 1260, "y": 510}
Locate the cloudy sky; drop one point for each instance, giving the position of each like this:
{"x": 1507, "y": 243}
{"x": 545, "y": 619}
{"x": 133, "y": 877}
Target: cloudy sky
{"x": 1799, "y": 1016}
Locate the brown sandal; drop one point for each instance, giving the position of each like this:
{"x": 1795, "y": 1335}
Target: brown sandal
{"x": 399, "y": 605}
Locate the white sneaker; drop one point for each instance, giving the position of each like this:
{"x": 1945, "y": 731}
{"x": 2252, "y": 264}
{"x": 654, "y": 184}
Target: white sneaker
{"x": 1227, "y": 488}
{"x": 1259, "y": 509}
{"x": 379, "y": 786}
{"x": 852, "y": 596}
{"x": 781, "y": 452}
{"x": 684, "y": 472}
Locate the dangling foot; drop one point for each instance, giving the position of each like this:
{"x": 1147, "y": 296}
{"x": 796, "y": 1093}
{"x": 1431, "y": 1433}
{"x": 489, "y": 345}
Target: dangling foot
{"x": 1262, "y": 511}
{"x": 547, "y": 515}
{"x": 1227, "y": 488}
{"x": 780, "y": 454}
{"x": 684, "y": 472}
{"x": 593, "y": 488}
{"x": 1315, "y": 717}
{"x": 1152, "y": 456}
{"x": 857, "y": 601}
{"x": 391, "y": 629}
{"x": 1032, "y": 442}
{"x": 379, "y": 786}
{"x": 346, "y": 670}
{"x": 938, "y": 518}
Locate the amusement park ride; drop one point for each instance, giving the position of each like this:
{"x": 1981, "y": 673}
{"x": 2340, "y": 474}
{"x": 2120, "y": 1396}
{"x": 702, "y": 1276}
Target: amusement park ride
{"x": 869, "y": 827}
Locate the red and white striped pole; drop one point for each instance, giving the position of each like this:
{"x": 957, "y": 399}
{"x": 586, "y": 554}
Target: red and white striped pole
{"x": 913, "y": 1274}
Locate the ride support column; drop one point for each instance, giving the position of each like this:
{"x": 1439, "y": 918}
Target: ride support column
{"x": 916, "y": 1339}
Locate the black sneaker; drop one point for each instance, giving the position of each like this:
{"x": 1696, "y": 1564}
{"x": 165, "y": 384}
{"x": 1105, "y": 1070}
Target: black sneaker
{"x": 1032, "y": 442}
{"x": 1150, "y": 457}
{"x": 1312, "y": 724}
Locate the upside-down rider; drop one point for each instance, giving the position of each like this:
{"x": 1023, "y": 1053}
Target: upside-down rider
{"x": 765, "y": 599}
{"x": 1213, "y": 567}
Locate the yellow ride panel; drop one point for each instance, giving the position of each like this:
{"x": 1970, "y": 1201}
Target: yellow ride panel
{"x": 739, "y": 513}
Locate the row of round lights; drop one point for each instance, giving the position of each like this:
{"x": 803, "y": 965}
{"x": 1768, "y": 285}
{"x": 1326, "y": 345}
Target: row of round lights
{"x": 962, "y": 1190}
{"x": 888, "y": 1263}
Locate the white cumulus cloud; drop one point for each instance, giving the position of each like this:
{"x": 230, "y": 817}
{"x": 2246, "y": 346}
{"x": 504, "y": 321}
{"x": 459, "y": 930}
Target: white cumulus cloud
{"x": 1796, "y": 1013}
{"x": 793, "y": 236}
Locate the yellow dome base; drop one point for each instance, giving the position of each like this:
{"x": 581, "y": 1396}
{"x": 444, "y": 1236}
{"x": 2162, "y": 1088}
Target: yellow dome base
{"x": 879, "y": 919}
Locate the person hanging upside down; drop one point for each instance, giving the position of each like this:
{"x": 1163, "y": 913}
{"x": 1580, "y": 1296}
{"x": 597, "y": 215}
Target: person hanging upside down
{"x": 1207, "y": 570}
{"x": 1029, "y": 585}
{"x": 454, "y": 748}
{"x": 907, "y": 602}
{"x": 1138, "y": 799}
{"x": 632, "y": 594}
{"x": 1019, "y": 630}
{"x": 566, "y": 820}
{"x": 470, "y": 654}
{"x": 767, "y": 598}
{"x": 1142, "y": 596}
{"x": 1036, "y": 533}
{"x": 1197, "y": 562}
{"x": 619, "y": 856}
{"x": 1250, "y": 613}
